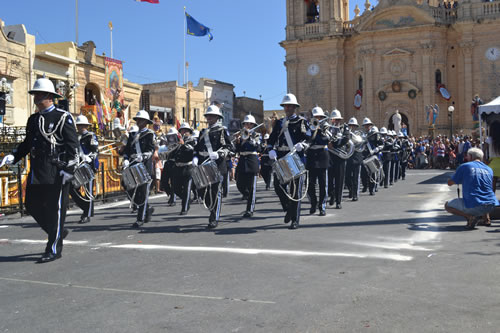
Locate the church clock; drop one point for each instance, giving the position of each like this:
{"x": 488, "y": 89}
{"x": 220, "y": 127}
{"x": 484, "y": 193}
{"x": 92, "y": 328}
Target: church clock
{"x": 493, "y": 53}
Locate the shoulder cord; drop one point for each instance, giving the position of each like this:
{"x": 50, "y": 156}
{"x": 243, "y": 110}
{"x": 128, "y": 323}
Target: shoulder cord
{"x": 52, "y": 137}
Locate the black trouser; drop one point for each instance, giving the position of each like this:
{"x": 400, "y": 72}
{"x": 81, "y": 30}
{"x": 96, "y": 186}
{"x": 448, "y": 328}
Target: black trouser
{"x": 403, "y": 169}
{"x": 352, "y": 178}
{"x": 247, "y": 185}
{"x": 369, "y": 180}
{"x": 290, "y": 206}
{"x": 386, "y": 164}
{"x": 320, "y": 175}
{"x": 48, "y": 204}
{"x": 336, "y": 175}
{"x": 225, "y": 184}
{"x": 266, "y": 172}
{"x": 167, "y": 176}
{"x": 212, "y": 195}
{"x": 141, "y": 201}
{"x": 182, "y": 184}
{"x": 84, "y": 202}
{"x": 396, "y": 170}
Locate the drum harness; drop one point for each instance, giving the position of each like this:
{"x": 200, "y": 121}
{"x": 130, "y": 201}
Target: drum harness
{"x": 210, "y": 150}
{"x": 87, "y": 191}
{"x": 138, "y": 152}
{"x": 288, "y": 138}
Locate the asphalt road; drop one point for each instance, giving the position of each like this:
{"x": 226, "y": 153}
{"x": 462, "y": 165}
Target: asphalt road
{"x": 395, "y": 262}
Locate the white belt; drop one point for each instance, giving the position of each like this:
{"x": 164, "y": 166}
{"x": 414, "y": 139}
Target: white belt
{"x": 265, "y": 155}
{"x": 204, "y": 153}
{"x": 183, "y": 164}
{"x": 284, "y": 148}
{"x": 319, "y": 147}
{"x": 246, "y": 153}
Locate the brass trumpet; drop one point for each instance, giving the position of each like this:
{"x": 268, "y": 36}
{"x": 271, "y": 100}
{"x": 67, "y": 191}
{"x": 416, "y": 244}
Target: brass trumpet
{"x": 246, "y": 133}
{"x": 316, "y": 124}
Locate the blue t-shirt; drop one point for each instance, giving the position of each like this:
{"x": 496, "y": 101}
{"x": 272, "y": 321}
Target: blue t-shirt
{"x": 477, "y": 182}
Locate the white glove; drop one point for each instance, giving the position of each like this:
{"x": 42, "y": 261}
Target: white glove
{"x": 147, "y": 155}
{"x": 272, "y": 154}
{"x": 214, "y": 156}
{"x": 195, "y": 161}
{"x": 126, "y": 163}
{"x": 87, "y": 159}
{"x": 299, "y": 146}
{"x": 138, "y": 158}
{"x": 66, "y": 177}
{"x": 7, "y": 160}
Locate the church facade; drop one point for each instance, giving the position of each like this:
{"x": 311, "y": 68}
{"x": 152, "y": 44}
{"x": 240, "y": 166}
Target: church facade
{"x": 401, "y": 55}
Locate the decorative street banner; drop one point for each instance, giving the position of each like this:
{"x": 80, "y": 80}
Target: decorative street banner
{"x": 358, "y": 99}
{"x": 114, "y": 84}
{"x": 444, "y": 92}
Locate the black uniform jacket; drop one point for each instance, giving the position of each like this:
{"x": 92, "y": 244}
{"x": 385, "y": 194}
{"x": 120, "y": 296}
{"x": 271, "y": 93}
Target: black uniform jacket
{"x": 183, "y": 157}
{"x": 90, "y": 147}
{"x": 317, "y": 156}
{"x": 264, "y": 156}
{"x": 249, "y": 160}
{"x": 146, "y": 139}
{"x": 221, "y": 143}
{"x": 341, "y": 140}
{"x": 48, "y": 159}
{"x": 299, "y": 131}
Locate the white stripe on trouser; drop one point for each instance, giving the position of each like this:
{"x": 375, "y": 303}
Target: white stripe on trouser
{"x": 58, "y": 232}
{"x": 145, "y": 202}
{"x": 325, "y": 199}
{"x": 91, "y": 187}
{"x": 219, "y": 202}
{"x": 227, "y": 183}
{"x": 299, "y": 194}
{"x": 188, "y": 193}
{"x": 252, "y": 207}
{"x": 359, "y": 181}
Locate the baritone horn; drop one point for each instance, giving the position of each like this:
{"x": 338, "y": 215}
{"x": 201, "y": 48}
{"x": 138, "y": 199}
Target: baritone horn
{"x": 246, "y": 133}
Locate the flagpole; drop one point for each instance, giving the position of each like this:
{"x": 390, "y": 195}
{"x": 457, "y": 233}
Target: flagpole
{"x": 76, "y": 22}
{"x": 111, "y": 37}
{"x": 184, "y": 33}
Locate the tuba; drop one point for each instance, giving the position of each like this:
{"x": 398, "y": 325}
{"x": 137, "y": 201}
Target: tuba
{"x": 346, "y": 151}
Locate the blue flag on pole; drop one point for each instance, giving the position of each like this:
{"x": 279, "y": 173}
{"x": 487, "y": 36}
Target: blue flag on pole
{"x": 195, "y": 28}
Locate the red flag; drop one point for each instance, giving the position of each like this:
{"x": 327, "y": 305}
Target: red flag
{"x": 178, "y": 125}
{"x": 150, "y": 1}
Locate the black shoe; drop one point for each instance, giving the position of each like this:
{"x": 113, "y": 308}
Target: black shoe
{"x": 376, "y": 189}
{"x": 355, "y": 199}
{"x": 371, "y": 193}
{"x": 288, "y": 218}
{"x": 322, "y": 213}
{"x": 134, "y": 209}
{"x": 244, "y": 198}
{"x": 248, "y": 214}
{"x": 390, "y": 184}
{"x": 137, "y": 224}
{"x": 48, "y": 257}
{"x": 350, "y": 195}
{"x": 183, "y": 212}
{"x": 267, "y": 188}
{"x": 84, "y": 220}
{"x": 65, "y": 233}
{"x": 294, "y": 225}
{"x": 171, "y": 204}
{"x": 149, "y": 214}
{"x": 312, "y": 210}
{"x": 338, "y": 206}
{"x": 364, "y": 190}
{"x": 212, "y": 224}
{"x": 332, "y": 200}
{"x": 386, "y": 186}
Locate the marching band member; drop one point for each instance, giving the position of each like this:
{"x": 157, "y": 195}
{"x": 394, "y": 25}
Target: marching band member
{"x": 266, "y": 169}
{"x": 396, "y": 162}
{"x": 336, "y": 171}
{"x": 183, "y": 157}
{"x": 248, "y": 164}
{"x": 167, "y": 174}
{"x": 140, "y": 149}
{"x": 52, "y": 143}
{"x": 353, "y": 166}
{"x": 373, "y": 146}
{"x": 387, "y": 155}
{"x": 406, "y": 148}
{"x": 214, "y": 144}
{"x": 317, "y": 162}
{"x": 88, "y": 154}
{"x": 365, "y": 177}
{"x": 289, "y": 134}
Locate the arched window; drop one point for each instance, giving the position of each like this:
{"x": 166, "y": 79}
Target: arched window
{"x": 438, "y": 78}
{"x": 312, "y": 11}
{"x": 92, "y": 93}
{"x": 360, "y": 83}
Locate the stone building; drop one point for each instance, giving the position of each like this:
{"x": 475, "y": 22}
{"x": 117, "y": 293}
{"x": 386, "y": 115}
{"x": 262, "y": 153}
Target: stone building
{"x": 246, "y": 105}
{"x": 400, "y": 55}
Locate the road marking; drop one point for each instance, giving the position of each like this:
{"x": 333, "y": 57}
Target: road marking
{"x": 231, "y": 250}
{"x": 155, "y": 293}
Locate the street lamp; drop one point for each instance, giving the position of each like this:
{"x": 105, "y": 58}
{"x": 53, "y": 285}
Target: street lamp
{"x": 451, "y": 108}
{"x": 66, "y": 88}
{"x": 5, "y": 90}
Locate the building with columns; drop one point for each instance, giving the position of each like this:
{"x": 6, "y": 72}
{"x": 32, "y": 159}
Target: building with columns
{"x": 400, "y": 55}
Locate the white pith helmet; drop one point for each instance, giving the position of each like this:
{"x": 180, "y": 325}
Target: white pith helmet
{"x": 172, "y": 131}
{"x": 82, "y": 120}
{"x": 133, "y": 129}
{"x": 353, "y": 122}
{"x": 213, "y": 110}
{"x": 266, "y": 136}
{"x": 143, "y": 114}
{"x": 391, "y": 133}
{"x": 186, "y": 126}
{"x": 335, "y": 114}
{"x": 373, "y": 130}
{"x": 196, "y": 134}
{"x": 289, "y": 99}
{"x": 383, "y": 130}
{"x": 318, "y": 112}
{"x": 44, "y": 85}
{"x": 400, "y": 134}
{"x": 249, "y": 119}
{"x": 367, "y": 121}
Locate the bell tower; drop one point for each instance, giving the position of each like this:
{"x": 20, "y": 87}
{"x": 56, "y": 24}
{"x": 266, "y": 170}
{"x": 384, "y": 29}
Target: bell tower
{"x": 300, "y": 12}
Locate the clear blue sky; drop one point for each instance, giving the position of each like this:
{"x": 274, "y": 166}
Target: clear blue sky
{"x": 149, "y": 38}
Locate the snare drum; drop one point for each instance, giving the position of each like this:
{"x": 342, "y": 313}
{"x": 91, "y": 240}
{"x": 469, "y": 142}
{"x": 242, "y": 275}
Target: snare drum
{"x": 135, "y": 175}
{"x": 288, "y": 168}
{"x": 372, "y": 164}
{"x": 205, "y": 175}
{"x": 83, "y": 175}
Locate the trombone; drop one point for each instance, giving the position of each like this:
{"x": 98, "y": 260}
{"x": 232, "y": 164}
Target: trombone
{"x": 245, "y": 133}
